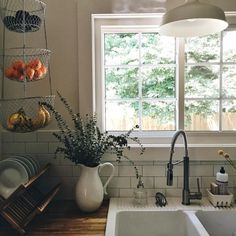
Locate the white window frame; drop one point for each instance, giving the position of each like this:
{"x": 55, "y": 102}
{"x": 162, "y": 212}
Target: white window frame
{"x": 118, "y": 22}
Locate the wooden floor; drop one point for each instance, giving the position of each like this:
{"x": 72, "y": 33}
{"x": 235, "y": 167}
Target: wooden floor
{"x": 62, "y": 218}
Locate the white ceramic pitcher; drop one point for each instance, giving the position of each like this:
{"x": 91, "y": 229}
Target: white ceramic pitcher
{"x": 89, "y": 190}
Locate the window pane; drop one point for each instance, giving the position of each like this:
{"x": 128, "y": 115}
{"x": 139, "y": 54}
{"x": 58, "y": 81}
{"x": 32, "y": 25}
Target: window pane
{"x": 158, "y": 82}
{"x": 121, "y": 115}
{"x": 202, "y": 115}
{"x": 158, "y": 115}
{"x": 121, "y": 82}
{"x": 203, "y": 49}
{"x": 229, "y": 115}
{"x": 229, "y": 81}
{"x": 229, "y": 49}
{"x": 202, "y": 81}
{"x": 121, "y": 49}
{"x": 157, "y": 49}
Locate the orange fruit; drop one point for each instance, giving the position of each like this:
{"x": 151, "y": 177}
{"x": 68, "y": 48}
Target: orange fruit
{"x": 44, "y": 69}
{"x": 35, "y": 64}
{"x": 29, "y": 72}
{"x": 9, "y": 72}
{"x": 38, "y": 74}
{"x": 18, "y": 65}
{"x": 19, "y": 75}
{"x": 14, "y": 73}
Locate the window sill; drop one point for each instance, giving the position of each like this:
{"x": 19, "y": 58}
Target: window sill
{"x": 198, "y": 145}
{"x": 194, "y": 139}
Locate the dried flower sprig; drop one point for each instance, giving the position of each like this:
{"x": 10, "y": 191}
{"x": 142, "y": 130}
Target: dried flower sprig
{"x": 227, "y": 158}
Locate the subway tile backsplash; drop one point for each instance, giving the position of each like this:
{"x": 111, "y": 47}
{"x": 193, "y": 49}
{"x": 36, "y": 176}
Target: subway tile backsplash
{"x": 42, "y": 145}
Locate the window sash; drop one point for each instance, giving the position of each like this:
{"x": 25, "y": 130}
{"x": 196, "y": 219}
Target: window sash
{"x": 140, "y": 99}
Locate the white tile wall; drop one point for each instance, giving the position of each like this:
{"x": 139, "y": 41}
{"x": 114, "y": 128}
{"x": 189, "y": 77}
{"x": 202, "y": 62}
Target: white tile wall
{"x": 42, "y": 145}
{"x": 160, "y": 182}
{"x": 128, "y": 170}
{"x": 13, "y": 147}
{"x": 154, "y": 170}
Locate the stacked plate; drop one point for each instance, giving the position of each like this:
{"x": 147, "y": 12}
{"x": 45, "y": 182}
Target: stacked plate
{"x": 14, "y": 171}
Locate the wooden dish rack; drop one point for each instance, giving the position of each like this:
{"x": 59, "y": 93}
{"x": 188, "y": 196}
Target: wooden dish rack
{"x": 26, "y": 202}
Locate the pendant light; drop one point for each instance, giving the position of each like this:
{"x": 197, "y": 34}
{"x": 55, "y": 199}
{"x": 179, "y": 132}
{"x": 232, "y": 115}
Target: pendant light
{"x": 192, "y": 19}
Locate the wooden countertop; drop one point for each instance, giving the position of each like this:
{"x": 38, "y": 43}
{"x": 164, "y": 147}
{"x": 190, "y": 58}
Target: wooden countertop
{"x": 63, "y": 218}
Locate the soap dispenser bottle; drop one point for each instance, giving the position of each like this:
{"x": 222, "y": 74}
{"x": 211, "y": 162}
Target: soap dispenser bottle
{"x": 222, "y": 181}
{"x": 140, "y": 194}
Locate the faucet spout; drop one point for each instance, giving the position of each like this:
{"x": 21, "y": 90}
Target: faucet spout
{"x": 186, "y": 195}
{"x": 174, "y": 139}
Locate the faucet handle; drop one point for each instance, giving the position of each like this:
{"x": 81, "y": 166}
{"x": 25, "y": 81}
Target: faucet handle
{"x": 198, "y": 194}
{"x": 198, "y": 185}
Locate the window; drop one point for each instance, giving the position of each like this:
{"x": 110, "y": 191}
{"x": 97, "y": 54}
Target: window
{"x": 162, "y": 83}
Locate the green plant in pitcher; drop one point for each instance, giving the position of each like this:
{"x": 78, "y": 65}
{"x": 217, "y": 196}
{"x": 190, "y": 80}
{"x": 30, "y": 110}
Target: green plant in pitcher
{"x": 84, "y": 143}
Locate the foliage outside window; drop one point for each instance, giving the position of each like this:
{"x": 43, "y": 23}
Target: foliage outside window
{"x": 142, "y": 82}
{"x": 140, "y": 75}
{"x": 210, "y": 82}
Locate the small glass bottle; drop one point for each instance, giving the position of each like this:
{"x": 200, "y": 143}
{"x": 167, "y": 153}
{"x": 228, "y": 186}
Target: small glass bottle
{"x": 140, "y": 194}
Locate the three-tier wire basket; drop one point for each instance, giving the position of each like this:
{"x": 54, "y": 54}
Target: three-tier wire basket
{"x": 24, "y": 64}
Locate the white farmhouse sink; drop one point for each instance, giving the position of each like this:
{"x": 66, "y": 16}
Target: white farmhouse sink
{"x": 154, "y": 223}
{"x": 218, "y": 223}
{"x": 126, "y": 219}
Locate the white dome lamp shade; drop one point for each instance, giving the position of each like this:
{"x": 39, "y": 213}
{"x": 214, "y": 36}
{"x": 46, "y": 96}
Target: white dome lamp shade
{"x": 193, "y": 19}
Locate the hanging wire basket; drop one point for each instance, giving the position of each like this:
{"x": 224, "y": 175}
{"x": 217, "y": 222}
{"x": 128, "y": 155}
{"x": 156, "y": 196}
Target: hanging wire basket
{"x": 22, "y": 15}
{"x": 23, "y": 115}
{"x": 25, "y": 64}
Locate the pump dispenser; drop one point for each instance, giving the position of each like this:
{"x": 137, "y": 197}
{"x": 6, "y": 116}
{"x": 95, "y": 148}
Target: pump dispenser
{"x": 222, "y": 181}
